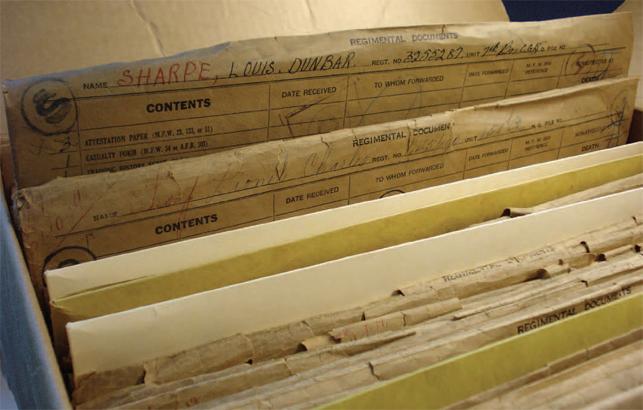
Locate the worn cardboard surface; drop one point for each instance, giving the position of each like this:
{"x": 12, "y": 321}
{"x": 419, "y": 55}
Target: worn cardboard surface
{"x": 118, "y": 212}
{"x": 128, "y": 115}
{"x": 447, "y": 211}
{"x": 295, "y": 295}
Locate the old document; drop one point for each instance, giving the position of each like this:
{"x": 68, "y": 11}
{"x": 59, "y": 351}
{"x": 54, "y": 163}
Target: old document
{"x": 394, "y": 335}
{"x": 118, "y": 212}
{"x": 128, "y": 115}
{"x": 306, "y": 293}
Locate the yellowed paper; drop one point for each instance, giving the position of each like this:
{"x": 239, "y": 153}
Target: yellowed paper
{"x": 127, "y": 115}
{"x": 498, "y": 274}
{"x": 618, "y": 252}
{"x": 521, "y": 296}
{"x": 294, "y": 296}
{"x": 280, "y": 341}
{"x": 629, "y": 399}
{"x": 604, "y": 272}
{"x": 555, "y": 270}
{"x": 580, "y": 260}
{"x": 448, "y": 383}
{"x": 195, "y": 361}
{"x": 502, "y": 327}
{"x": 317, "y": 342}
{"x": 202, "y": 254}
{"x": 327, "y": 321}
{"x": 423, "y": 355}
{"x": 590, "y": 374}
{"x": 397, "y": 303}
{"x": 208, "y": 387}
{"x": 589, "y": 388}
{"x": 250, "y": 253}
{"x": 577, "y": 302}
{"x": 131, "y": 394}
{"x": 117, "y": 212}
{"x": 304, "y": 361}
{"x": 369, "y": 327}
{"x": 433, "y": 354}
{"x": 551, "y": 368}
{"x": 621, "y": 185}
{"x": 317, "y": 386}
{"x": 422, "y": 313}
{"x": 573, "y": 252}
{"x": 298, "y": 391}
{"x": 95, "y": 384}
{"x": 598, "y": 244}
{"x": 214, "y": 356}
{"x": 148, "y": 30}
{"x": 587, "y": 301}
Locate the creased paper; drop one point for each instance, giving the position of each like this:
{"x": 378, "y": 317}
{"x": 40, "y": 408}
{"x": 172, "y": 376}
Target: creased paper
{"x": 127, "y": 115}
{"x": 113, "y": 213}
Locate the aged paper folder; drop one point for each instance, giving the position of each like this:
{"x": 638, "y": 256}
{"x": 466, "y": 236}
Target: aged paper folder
{"x": 548, "y": 369}
{"x": 541, "y": 349}
{"x": 386, "y": 365}
{"x": 127, "y": 115}
{"x": 87, "y": 382}
{"x": 113, "y": 213}
{"x": 98, "y": 296}
{"x": 26, "y": 23}
{"x": 202, "y": 253}
{"x": 105, "y": 286}
{"x": 295, "y": 295}
{"x": 556, "y": 387}
{"x": 451, "y": 381}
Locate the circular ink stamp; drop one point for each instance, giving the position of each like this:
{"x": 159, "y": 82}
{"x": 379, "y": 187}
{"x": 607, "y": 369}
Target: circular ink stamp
{"x": 67, "y": 256}
{"x": 49, "y": 106}
{"x": 588, "y": 62}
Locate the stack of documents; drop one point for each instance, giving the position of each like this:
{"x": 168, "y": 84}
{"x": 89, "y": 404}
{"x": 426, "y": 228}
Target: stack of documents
{"x": 126, "y": 117}
{"x": 95, "y": 289}
{"x": 143, "y": 192}
{"x": 324, "y": 356}
{"x": 605, "y": 376}
{"x": 183, "y": 199}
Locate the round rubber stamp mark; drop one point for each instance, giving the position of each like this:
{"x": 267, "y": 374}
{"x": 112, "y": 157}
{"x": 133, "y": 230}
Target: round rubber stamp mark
{"x": 67, "y": 256}
{"x": 49, "y": 107}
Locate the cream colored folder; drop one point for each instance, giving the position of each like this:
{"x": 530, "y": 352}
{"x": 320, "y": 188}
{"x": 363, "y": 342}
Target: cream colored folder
{"x": 157, "y": 274}
{"x": 200, "y": 253}
{"x": 165, "y": 328}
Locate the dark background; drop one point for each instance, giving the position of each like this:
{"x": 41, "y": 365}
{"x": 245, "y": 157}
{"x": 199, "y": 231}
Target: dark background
{"x": 532, "y": 10}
